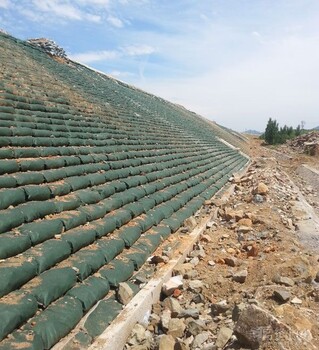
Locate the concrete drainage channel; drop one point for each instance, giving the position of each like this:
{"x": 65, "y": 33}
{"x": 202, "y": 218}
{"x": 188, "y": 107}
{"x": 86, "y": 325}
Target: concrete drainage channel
{"x": 139, "y": 308}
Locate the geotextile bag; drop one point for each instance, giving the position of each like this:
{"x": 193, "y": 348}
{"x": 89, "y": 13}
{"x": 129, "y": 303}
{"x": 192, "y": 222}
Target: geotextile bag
{"x": 102, "y": 316}
{"x": 90, "y": 291}
{"x": 15, "y": 309}
{"x": 56, "y": 321}
{"x": 50, "y": 285}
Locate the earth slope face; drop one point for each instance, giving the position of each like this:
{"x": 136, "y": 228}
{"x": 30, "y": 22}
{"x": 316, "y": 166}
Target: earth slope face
{"x": 94, "y": 175}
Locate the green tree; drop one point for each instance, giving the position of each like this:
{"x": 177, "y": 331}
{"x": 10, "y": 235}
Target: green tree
{"x": 298, "y": 130}
{"x": 274, "y": 135}
{"x": 271, "y": 132}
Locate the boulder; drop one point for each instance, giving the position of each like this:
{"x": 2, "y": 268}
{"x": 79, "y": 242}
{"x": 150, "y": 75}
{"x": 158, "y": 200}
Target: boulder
{"x": 254, "y": 325}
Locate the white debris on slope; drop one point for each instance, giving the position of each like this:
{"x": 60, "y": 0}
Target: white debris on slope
{"x": 48, "y": 46}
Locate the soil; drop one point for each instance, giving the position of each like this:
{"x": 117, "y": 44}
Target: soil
{"x": 264, "y": 230}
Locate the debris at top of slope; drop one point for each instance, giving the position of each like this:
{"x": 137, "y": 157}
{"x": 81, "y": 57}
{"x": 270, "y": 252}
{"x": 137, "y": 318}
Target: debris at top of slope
{"x": 49, "y": 46}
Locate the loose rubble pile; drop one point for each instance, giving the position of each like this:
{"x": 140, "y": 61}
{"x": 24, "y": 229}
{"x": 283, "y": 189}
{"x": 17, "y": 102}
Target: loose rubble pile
{"x": 248, "y": 283}
{"x": 307, "y": 143}
{"x": 48, "y": 46}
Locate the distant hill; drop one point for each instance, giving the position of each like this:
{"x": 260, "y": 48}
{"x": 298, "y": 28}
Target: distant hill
{"x": 316, "y": 128}
{"x": 252, "y": 132}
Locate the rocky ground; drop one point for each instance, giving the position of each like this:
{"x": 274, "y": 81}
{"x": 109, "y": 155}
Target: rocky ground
{"x": 249, "y": 283}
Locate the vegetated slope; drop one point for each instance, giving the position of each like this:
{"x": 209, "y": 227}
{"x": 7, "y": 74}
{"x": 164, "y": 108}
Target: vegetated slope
{"x": 94, "y": 175}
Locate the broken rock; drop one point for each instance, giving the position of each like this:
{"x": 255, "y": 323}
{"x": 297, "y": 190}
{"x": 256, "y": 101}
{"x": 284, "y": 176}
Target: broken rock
{"x": 125, "y": 293}
{"x": 172, "y": 284}
{"x": 261, "y": 189}
{"x": 173, "y": 305}
{"x": 176, "y": 327}
{"x": 258, "y": 198}
{"x": 240, "y": 276}
{"x": 281, "y": 295}
{"x": 223, "y": 337}
{"x": 193, "y": 313}
{"x": 165, "y": 318}
{"x": 166, "y": 342}
{"x": 196, "y": 285}
{"x": 219, "y": 308}
{"x": 286, "y": 281}
{"x": 200, "y": 339}
{"x": 190, "y": 222}
{"x": 231, "y": 261}
{"x": 296, "y": 301}
{"x": 245, "y": 222}
{"x": 195, "y": 327}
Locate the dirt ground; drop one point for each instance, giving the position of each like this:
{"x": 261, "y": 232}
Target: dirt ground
{"x": 252, "y": 282}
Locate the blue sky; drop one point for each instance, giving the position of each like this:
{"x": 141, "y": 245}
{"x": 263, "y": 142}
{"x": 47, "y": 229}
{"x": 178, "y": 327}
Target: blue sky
{"x": 237, "y": 62}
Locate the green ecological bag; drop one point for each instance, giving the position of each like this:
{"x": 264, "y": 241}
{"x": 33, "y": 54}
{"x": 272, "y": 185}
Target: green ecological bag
{"x": 27, "y": 340}
{"x": 56, "y": 321}
{"x": 50, "y": 285}
{"x": 104, "y": 226}
{"x": 41, "y": 231}
{"x": 15, "y": 309}
{"x": 90, "y": 291}
{"x": 129, "y": 233}
{"x": 15, "y": 272}
{"x": 110, "y": 247}
{"x": 79, "y": 237}
{"x": 102, "y": 316}
{"x": 11, "y": 197}
{"x": 49, "y": 253}
{"x": 137, "y": 256}
{"x": 13, "y": 243}
{"x": 86, "y": 261}
{"x": 118, "y": 270}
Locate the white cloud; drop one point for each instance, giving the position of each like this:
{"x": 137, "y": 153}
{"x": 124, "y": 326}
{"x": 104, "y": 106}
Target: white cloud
{"x": 94, "y": 56}
{"x": 54, "y": 10}
{"x": 280, "y": 81}
{"x": 5, "y": 4}
{"x": 94, "y": 2}
{"x": 138, "y": 50}
{"x": 120, "y": 74}
{"x": 93, "y": 18}
{"x": 59, "y": 8}
{"x": 115, "y": 21}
